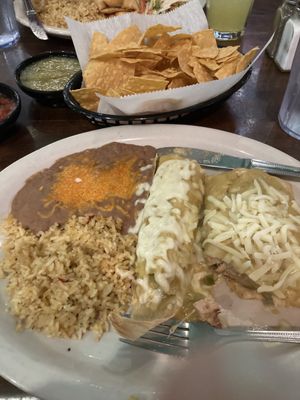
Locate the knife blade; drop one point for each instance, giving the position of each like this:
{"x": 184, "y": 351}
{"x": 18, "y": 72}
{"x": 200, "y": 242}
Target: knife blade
{"x": 212, "y": 159}
{"x": 34, "y": 23}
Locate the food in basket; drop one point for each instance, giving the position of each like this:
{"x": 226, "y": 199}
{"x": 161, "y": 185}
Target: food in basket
{"x": 134, "y": 62}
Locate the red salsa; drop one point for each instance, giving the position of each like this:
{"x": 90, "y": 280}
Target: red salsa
{"x": 6, "y": 107}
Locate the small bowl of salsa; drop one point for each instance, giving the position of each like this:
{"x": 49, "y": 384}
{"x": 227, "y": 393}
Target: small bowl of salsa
{"x": 45, "y": 75}
{"x": 10, "y": 105}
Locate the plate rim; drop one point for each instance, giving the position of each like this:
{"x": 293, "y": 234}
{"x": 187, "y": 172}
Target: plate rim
{"x": 121, "y": 134}
{"x": 51, "y": 30}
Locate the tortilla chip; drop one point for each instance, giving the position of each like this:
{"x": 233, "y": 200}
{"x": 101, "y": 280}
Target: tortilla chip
{"x": 165, "y": 63}
{"x": 210, "y": 64}
{"x": 106, "y": 55}
{"x": 201, "y": 73}
{"x": 142, "y": 61}
{"x": 142, "y": 52}
{"x": 107, "y": 74}
{"x": 112, "y": 93}
{"x": 120, "y": 92}
{"x": 136, "y": 62}
{"x": 231, "y": 58}
{"x": 175, "y": 48}
{"x": 181, "y": 36}
{"x": 170, "y": 73}
{"x": 225, "y": 52}
{"x": 205, "y": 39}
{"x": 184, "y": 57}
{"x": 150, "y": 76}
{"x": 163, "y": 43}
{"x": 158, "y": 30}
{"x": 126, "y": 36}
{"x": 87, "y": 98}
{"x": 226, "y": 70}
{"x": 142, "y": 85}
{"x": 246, "y": 59}
{"x": 209, "y": 52}
{"x": 98, "y": 44}
{"x": 181, "y": 81}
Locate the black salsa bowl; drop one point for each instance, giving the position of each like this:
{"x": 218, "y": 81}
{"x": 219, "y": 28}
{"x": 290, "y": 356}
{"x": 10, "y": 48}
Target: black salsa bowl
{"x": 53, "y": 98}
{"x": 14, "y": 96}
{"x": 111, "y": 120}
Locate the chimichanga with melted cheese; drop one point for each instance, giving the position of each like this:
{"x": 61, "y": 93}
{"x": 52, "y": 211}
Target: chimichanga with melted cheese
{"x": 167, "y": 259}
{"x": 251, "y": 238}
{"x": 165, "y": 248}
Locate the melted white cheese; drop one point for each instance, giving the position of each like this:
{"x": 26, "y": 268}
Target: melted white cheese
{"x": 146, "y": 167}
{"x": 255, "y": 229}
{"x": 141, "y": 188}
{"x": 169, "y": 221}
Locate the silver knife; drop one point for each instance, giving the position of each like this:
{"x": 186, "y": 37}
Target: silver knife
{"x": 34, "y": 23}
{"x": 211, "y": 159}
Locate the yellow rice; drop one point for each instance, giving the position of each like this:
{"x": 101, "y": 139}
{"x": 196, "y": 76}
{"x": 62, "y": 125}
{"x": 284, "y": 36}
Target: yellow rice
{"x": 67, "y": 280}
{"x": 52, "y": 12}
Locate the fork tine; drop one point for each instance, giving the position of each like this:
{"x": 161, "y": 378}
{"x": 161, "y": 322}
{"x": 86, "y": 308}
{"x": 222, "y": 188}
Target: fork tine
{"x": 171, "y": 323}
{"x": 158, "y": 347}
{"x": 161, "y": 339}
{"x": 166, "y": 339}
{"x": 165, "y": 330}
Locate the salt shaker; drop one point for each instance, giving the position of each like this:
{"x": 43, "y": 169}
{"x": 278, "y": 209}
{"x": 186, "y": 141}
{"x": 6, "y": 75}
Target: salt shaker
{"x": 284, "y": 12}
{"x": 289, "y": 114}
{"x": 289, "y": 41}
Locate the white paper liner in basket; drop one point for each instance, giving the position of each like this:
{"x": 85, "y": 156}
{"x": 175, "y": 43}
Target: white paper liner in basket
{"x": 192, "y": 19}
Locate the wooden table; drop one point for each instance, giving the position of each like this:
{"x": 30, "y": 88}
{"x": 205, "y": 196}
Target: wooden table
{"x": 251, "y": 112}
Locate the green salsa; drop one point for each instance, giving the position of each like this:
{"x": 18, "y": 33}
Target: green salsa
{"x": 49, "y": 74}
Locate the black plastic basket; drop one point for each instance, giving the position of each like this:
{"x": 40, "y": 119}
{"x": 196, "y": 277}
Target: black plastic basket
{"x": 112, "y": 120}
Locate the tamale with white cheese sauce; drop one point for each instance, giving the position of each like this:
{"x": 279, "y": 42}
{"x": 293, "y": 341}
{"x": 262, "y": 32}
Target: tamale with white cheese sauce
{"x": 167, "y": 260}
{"x": 251, "y": 241}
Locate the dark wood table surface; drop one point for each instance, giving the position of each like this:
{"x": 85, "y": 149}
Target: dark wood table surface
{"x": 251, "y": 112}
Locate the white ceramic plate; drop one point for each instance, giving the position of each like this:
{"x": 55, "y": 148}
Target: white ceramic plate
{"x": 107, "y": 369}
{"x": 53, "y": 31}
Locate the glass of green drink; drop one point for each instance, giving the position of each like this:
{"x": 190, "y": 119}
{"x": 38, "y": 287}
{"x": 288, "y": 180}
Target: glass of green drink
{"x": 228, "y": 17}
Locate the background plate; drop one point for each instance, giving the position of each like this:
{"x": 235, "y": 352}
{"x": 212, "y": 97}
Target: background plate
{"x": 51, "y": 30}
{"x": 109, "y": 369}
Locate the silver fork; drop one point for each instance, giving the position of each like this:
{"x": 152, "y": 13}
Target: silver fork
{"x": 162, "y": 339}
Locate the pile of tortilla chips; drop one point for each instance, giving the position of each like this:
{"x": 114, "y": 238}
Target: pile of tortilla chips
{"x": 135, "y": 62}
